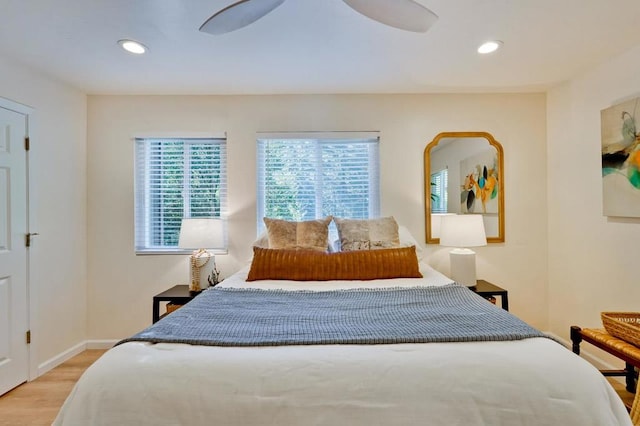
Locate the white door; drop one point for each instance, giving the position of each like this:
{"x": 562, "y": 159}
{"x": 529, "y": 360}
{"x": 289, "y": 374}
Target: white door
{"x": 14, "y": 353}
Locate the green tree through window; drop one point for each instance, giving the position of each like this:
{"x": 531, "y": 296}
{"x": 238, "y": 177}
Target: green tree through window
{"x": 439, "y": 191}
{"x": 176, "y": 178}
{"x": 305, "y": 179}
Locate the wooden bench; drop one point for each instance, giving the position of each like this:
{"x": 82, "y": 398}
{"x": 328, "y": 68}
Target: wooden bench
{"x": 627, "y": 352}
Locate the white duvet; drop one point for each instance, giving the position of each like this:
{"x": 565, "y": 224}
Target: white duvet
{"x": 528, "y": 382}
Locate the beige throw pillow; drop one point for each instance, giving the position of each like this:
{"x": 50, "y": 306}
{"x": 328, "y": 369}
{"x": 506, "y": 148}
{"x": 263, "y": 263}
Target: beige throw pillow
{"x": 369, "y": 234}
{"x": 310, "y": 235}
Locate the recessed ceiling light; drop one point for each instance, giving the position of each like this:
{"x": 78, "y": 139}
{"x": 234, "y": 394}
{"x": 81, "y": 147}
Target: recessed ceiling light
{"x": 489, "y": 46}
{"x": 132, "y": 46}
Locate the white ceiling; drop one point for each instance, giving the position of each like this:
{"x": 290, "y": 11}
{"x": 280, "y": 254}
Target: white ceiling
{"x": 314, "y": 46}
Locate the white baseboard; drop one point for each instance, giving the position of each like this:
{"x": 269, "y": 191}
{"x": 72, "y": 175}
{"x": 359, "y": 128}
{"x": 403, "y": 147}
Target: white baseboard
{"x": 52, "y": 363}
{"x": 101, "y": 344}
{"x": 60, "y": 358}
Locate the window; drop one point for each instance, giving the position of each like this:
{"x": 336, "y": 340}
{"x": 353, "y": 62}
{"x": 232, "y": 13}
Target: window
{"x": 309, "y": 178}
{"x": 176, "y": 178}
{"x": 439, "y": 199}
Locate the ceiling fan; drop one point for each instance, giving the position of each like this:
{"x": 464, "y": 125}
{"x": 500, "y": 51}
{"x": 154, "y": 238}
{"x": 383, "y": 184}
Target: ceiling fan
{"x": 403, "y": 14}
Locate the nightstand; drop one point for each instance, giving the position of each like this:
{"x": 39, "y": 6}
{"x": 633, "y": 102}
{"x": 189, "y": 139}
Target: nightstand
{"x": 176, "y": 295}
{"x": 487, "y": 290}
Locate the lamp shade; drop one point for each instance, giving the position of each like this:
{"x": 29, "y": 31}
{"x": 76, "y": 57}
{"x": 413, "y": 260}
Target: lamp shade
{"x": 201, "y": 233}
{"x": 465, "y": 230}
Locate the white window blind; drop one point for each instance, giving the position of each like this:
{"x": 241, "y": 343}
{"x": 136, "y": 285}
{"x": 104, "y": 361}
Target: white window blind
{"x": 176, "y": 178}
{"x": 439, "y": 198}
{"x": 306, "y": 179}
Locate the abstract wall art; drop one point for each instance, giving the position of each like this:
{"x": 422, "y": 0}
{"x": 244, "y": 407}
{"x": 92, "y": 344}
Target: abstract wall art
{"x": 621, "y": 159}
{"x": 479, "y": 177}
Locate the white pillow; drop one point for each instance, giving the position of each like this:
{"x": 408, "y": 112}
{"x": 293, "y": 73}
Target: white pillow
{"x": 406, "y": 240}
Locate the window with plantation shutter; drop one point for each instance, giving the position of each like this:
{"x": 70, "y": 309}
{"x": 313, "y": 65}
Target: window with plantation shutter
{"x": 176, "y": 178}
{"x": 439, "y": 199}
{"x": 305, "y": 178}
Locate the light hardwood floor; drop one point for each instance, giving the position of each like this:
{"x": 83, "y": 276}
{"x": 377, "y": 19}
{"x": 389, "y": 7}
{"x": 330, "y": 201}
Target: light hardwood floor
{"x": 627, "y": 397}
{"x": 37, "y": 403}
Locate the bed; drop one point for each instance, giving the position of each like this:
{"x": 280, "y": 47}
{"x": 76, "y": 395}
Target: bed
{"x": 528, "y": 381}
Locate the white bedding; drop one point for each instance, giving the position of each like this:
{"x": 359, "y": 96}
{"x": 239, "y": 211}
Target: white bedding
{"x": 430, "y": 277}
{"x": 527, "y": 382}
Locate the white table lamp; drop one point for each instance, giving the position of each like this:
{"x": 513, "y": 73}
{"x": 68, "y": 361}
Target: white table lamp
{"x": 462, "y": 231}
{"x": 200, "y": 234}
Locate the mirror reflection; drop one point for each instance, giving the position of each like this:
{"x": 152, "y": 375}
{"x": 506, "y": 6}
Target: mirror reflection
{"x": 464, "y": 175}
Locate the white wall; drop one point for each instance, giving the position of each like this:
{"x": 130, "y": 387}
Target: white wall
{"x": 121, "y": 284}
{"x": 593, "y": 260}
{"x": 561, "y": 236}
{"x": 59, "y": 183}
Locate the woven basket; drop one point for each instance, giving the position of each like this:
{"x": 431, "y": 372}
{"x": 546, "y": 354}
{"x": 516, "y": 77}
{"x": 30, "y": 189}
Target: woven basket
{"x": 635, "y": 409}
{"x": 171, "y": 307}
{"x": 623, "y": 325}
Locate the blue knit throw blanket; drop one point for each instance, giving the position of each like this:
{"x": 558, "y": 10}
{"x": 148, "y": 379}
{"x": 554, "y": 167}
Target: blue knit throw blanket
{"x": 252, "y": 317}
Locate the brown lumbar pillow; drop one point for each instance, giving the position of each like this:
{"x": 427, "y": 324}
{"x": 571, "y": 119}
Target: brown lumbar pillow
{"x": 310, "y": 234}
{"x": 310, "y": 265}
{"x": 368, "y": 234}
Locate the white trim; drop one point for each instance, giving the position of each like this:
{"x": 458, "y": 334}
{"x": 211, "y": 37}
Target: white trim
{"x": 32, "y": 261}
{"x": 77, "y": 349}
{"x": 52, "y": 363}
{"x": 15, "y": 106}
{"x": 338, "y": 134}
{"x": 179, "y": 135}
{"x": 101, "y": 344}
{"x": 32, "y": 285}
{"x": 178, "y": 251}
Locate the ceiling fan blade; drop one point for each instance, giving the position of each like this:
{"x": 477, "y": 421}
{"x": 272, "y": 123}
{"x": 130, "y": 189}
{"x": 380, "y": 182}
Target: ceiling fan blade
{"x": 238, "y": 15}
{"x": 403, "y": 14}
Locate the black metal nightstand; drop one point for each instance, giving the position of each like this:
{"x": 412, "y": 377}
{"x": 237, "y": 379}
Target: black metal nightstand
{"x": 177, "y": 295}
{"x": 486, "y": 289}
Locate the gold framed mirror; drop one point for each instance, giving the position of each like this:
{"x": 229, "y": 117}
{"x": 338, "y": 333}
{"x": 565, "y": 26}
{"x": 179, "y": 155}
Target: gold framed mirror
{"x": 464, "y": 173}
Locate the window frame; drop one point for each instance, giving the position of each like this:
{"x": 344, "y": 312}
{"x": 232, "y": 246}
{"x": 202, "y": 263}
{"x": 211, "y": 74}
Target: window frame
{"x": 440, "y": 205}
{"x": 319, "y": 140}
{"x": 143, "y": 216}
